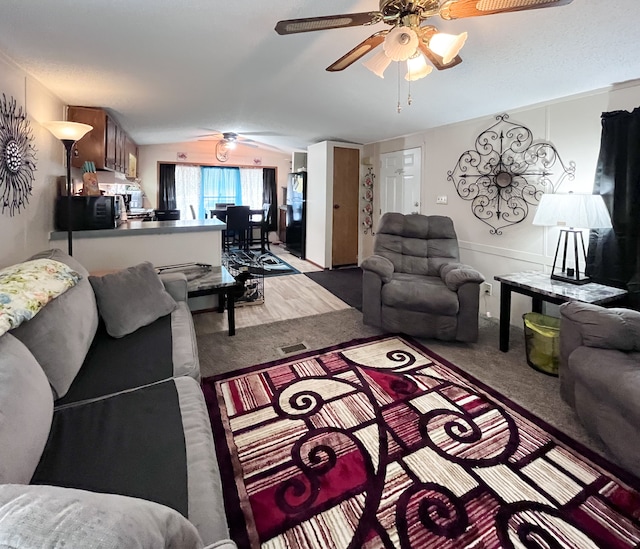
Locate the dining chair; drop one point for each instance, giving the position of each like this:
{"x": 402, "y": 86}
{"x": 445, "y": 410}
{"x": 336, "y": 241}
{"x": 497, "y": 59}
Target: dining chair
{"x": 265, "y": 224}
{"x": 238, "y": 226}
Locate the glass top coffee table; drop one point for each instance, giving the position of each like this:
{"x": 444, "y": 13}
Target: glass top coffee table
{"x": 540, "y": 287}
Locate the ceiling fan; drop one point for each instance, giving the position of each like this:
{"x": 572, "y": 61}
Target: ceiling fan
{"x": 408, "y": 39}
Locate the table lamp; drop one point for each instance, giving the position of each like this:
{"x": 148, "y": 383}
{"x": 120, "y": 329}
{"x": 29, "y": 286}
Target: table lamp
{"x": 573, "y": 212}
{"x": 68, "y": 133}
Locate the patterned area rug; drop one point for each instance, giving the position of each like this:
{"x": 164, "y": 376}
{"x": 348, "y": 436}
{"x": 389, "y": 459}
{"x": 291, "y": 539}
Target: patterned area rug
{"x": 383, "y": 444}
{"x": 257, "y": 263}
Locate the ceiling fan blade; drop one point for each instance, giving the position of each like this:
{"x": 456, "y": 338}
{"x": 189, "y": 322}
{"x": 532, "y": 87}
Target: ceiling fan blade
{"x": 293, "y": 26}
{"x": 356, "y": 53}
{"x": 436, "y": 60}
{"x": 457, "y": 9}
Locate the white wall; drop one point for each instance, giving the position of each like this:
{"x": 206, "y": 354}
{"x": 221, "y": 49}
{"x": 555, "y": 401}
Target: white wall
{"x": 319, "y": 244}
{"x": 27, "y": 232}
{"x": 204, "y": 153}
{"x": 317, "y": 189}
{"x": 571, "y": 125}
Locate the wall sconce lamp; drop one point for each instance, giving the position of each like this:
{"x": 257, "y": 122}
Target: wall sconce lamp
{"x": 68, "y": 133}
{"x": 574, "y": 213}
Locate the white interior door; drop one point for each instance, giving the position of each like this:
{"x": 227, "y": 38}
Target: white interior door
{"x": 400, "y": 177}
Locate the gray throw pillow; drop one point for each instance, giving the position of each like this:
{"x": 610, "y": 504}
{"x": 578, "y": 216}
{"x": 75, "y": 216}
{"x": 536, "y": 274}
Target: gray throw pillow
{"x": 131, "y": 298}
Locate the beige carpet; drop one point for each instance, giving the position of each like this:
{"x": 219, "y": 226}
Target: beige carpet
{"x": 506, "y": 372}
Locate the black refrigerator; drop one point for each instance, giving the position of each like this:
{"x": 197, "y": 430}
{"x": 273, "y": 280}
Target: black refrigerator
{"x": 296, "y": 230}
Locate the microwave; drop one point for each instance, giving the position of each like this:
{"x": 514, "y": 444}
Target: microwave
{"x": 87, "y": 213}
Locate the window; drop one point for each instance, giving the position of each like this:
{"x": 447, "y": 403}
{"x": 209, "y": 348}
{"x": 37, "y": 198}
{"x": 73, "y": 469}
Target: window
{"x": 205, "y": 186}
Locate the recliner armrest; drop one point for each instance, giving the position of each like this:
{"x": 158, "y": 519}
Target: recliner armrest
{"x": 380, "y": 266}
{"x": 175, "y": 284}
{"x": 600, "y": 327}
{"x": 455, "y": 275}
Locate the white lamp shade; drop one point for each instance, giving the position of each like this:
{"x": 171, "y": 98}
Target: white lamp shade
{"x": 400, "y": 43}
{"x": 378, "y": 63}
{"x": 65, "y": 131}
{"x": 581, "y": 211}
{"x": 417, "y": 68}
{"x": 446, "y": 45}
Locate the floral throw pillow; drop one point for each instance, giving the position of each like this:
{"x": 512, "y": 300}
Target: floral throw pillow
{"x": 27, "y": 287}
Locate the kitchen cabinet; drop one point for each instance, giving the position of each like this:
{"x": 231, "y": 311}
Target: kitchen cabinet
{"x": 108, "y": 146}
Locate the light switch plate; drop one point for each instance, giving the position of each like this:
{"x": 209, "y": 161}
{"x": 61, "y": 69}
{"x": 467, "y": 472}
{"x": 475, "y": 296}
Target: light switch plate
{"x": 442, "y": 199}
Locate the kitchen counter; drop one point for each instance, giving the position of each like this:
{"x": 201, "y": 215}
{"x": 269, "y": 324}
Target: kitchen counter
{"x": 137, "y": 227}
{"x": 160, "y": 242}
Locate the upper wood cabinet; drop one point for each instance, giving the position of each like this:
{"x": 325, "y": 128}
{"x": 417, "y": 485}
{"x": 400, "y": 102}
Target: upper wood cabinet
{"x": 107, "y": 145}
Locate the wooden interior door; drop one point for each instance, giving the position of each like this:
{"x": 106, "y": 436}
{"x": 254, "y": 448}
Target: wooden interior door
{"x": 346, "y": 180}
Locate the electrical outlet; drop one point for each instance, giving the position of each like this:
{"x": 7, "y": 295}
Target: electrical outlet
{"x": 487, "y": 289}
{"x": 442, "y": 199}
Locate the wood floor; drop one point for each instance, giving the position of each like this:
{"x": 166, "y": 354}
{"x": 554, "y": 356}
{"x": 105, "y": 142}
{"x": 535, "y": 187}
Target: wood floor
{"x": 285, "y": 297}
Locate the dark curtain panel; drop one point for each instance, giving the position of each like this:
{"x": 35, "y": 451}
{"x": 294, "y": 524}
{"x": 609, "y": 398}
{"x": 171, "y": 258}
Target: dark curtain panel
{"x": 167, "y": 187}
{"x": 270, "y": 195}
{"x": 614, "y": 254}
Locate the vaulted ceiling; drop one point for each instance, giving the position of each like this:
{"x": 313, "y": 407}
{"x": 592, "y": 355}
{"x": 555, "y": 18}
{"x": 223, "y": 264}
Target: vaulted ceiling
{"x": 171, "y": 71}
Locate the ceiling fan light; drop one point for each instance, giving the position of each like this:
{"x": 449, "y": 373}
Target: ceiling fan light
{"x": 378, "y": 63}
{"x": 417, "y": 68}
{"x": 446, "y": 45}
{"x": 400, "y": 43}
{"x": 230, "y": 144}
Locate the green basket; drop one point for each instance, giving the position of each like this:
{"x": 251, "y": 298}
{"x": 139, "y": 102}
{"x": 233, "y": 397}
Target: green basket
{"x": 542, "y": 342}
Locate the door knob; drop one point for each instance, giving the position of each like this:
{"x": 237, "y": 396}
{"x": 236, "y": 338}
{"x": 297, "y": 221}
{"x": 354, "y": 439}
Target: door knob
{"x": 336, "y": 206}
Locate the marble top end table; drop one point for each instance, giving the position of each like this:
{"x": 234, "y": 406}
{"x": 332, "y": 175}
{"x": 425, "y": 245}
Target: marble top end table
{"x": 540, "y": 287}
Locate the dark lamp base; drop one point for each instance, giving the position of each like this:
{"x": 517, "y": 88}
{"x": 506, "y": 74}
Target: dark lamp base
{"x": 571, "y": 279}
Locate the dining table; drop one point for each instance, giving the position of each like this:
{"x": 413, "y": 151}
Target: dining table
{"x": 256, "y": 217}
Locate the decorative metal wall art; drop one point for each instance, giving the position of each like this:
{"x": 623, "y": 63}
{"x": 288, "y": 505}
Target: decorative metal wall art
{"x": 17, "y": 157}
{"x": 506, "y": 172}
{"x": 367, "y": 199}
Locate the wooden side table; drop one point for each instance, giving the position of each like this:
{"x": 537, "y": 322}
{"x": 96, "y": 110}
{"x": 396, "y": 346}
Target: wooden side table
{"x": 539, "y": 287}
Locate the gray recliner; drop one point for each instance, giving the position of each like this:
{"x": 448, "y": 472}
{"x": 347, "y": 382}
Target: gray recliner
{"x": 414, "y": 283}
{"x": 600, "y": 375}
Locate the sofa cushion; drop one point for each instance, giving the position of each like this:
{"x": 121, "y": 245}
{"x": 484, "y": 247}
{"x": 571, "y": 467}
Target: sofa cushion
{"x": 27, "y": 287}
{"x": 131, "y": 298}
{"x": 163, "y": 349}
{"x": 50, "y": 516}
{"x": 26, "y": 407}
{"x": 131, "y": 440}
{"x": 206, "y": 509}
{"x": 60, "y": 335}
{"x": 426, "y": 294}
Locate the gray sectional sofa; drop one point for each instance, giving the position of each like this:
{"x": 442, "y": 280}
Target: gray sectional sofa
{"x": 600, "y": 375}
{"x": 106, "y": 441}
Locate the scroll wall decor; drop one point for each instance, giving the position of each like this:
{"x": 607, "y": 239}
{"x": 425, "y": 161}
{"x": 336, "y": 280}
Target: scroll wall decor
{"x": 367, "y": 199}
{"x": 506, "y": 173}
{"x": 17, "y": 157}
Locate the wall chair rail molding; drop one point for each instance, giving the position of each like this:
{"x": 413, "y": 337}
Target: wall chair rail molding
{"x": 507, "y": 172}
{"x": 17, "y": 156}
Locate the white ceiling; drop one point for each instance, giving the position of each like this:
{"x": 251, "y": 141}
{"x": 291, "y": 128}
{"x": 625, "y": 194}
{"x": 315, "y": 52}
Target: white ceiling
{"x": 169, "y": 70}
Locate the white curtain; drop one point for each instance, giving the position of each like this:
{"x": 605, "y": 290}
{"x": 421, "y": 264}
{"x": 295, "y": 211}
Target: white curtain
{"x": 252, "y": 186}
{"x": 188, "y": 191}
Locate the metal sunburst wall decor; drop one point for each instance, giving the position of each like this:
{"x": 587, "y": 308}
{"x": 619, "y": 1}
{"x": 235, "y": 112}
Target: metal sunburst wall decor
{"x": 506, "y": 173}
{"x": 17, "y": 156}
